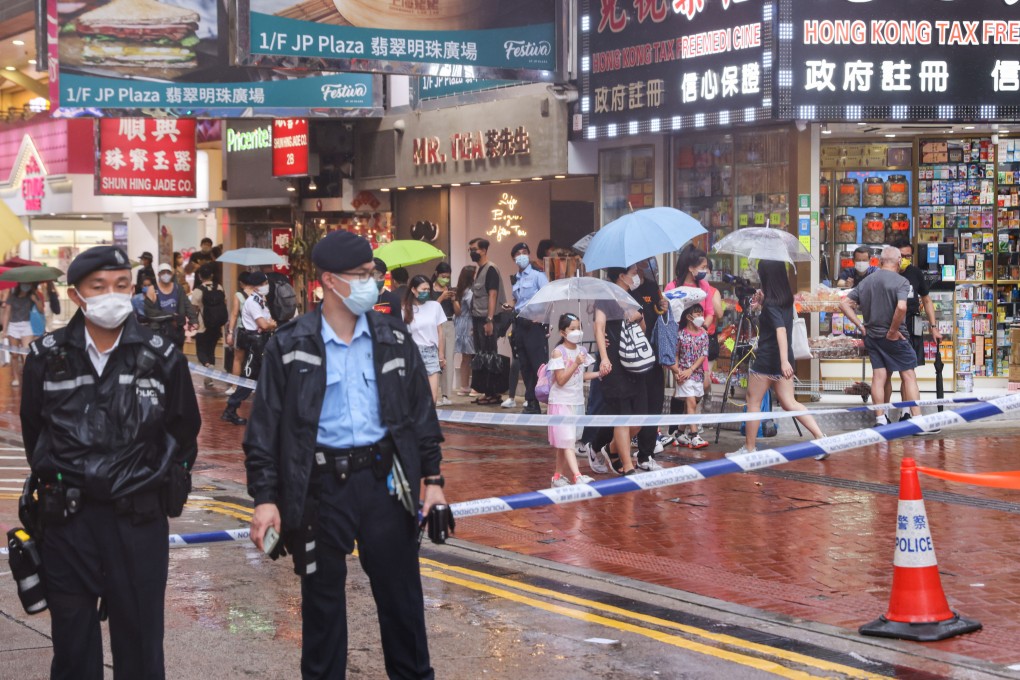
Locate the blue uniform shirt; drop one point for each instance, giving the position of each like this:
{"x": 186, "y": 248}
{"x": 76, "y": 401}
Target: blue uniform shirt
{"x": 528, "y": 283}
{"x": 350, "y": 408}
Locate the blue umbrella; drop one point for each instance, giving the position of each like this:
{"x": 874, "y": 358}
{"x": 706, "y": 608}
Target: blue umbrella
{"x": 639, "y": 236}
{"x": 251, "y": 257}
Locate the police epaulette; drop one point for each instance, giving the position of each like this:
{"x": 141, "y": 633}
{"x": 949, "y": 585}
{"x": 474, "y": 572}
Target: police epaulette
{"x": 47, "y": 342}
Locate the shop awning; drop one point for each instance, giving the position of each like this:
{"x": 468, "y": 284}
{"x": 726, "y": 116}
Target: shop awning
{"x": 12, "y": 231}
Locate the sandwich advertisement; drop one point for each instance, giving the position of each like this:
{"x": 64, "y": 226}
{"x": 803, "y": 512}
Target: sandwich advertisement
{"x": 146, "y": 157}
{"x": 515, "y": 39}
{"x": 140, "y": 56}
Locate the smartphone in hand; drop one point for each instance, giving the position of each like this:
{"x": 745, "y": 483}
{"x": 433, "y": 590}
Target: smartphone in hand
{"x": 269, "y": 541}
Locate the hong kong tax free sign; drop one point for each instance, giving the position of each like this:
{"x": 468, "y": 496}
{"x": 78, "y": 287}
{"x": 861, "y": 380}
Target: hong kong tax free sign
{"x": 662, "y": 65}
{"x": 902, "y": 60}
{"x": 146, "y": 157}
{"x": 516, "y": 39}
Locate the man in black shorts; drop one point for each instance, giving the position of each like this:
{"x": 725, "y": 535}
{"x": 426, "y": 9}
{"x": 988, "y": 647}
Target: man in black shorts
{"x": 882, "y": 298}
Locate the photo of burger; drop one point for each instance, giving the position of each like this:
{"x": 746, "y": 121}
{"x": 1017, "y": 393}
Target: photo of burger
{"x": 139, "y": 33}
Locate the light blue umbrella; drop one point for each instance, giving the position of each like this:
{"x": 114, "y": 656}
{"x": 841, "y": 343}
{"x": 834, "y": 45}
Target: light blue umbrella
{"x": 250, "y": 257}
{"x": 639, "y": 236}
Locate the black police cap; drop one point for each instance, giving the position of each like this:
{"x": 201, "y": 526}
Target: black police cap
{"x": 341, "y": 251}
{"x": 518, "y": 248}
{"x": 146, "y": 255}
{"x": 98, "y": 258}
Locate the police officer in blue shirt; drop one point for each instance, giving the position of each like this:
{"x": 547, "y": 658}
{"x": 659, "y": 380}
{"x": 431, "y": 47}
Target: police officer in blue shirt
{"x": 341, "y": 436}
{"x": 529, "y": 339}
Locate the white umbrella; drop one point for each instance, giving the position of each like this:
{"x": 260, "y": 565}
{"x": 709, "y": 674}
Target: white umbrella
{"x": 251, "y": 257}
{"x": 763, "y": 243}
{"x": 579, "y": 295}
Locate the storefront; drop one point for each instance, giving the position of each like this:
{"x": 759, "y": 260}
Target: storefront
{"x": 49, "y": 181}
{"x": 849, "y": 132}
{"x": 494, "y": 169}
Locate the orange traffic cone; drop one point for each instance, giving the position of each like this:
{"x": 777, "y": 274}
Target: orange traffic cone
{"x": 918, "y": 609}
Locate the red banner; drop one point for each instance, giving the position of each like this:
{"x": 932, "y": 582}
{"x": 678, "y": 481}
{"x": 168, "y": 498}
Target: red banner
{"x": 281, "y": 246}
{"x": 290, "y": 147}
{"x": 146, "y": 157}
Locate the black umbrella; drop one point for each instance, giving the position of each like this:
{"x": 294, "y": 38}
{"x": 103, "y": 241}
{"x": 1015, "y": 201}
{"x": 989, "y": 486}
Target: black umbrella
{"x": 940, "y": 388}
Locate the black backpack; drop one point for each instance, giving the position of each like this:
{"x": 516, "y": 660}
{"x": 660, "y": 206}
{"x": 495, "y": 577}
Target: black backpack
{"x": 214, "y": 308}
{"x": 282, "y": 300}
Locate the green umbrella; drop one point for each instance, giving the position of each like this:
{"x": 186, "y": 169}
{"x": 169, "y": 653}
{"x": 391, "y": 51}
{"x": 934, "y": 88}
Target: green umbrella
{"x": 407, "y": 252}
{"x": 31, "y": 274}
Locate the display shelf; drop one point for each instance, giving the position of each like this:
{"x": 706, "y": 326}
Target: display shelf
{"x": 627, "y": 177}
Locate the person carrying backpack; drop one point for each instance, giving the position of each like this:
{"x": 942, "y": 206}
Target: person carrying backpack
{"x": 282, "y": 298}
{"x": 211, "y": 302}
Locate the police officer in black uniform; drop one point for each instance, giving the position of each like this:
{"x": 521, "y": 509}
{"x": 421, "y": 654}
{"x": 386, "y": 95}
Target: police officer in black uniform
{"x": 342, "y": 435}
{"x": 110, "y": 421}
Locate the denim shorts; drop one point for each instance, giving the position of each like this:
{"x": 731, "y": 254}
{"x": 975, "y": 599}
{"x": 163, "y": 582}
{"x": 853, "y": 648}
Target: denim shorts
{"x": 430, "y": 355}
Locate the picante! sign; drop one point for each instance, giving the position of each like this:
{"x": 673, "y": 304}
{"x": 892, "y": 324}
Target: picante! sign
{"x": 146, "y": 157}
{"x": 656, "y": 65}
{"x": 905, "y": 60}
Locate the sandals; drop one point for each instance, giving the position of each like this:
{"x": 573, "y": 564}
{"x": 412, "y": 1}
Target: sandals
{"x": 487, "y": 401}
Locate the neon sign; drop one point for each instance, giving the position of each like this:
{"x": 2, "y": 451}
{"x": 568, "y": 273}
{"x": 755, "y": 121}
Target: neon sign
{"x": 505, "y": 221}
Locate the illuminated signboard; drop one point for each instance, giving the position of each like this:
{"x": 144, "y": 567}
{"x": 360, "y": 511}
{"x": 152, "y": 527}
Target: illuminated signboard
{"x": 905, "y": 60}
{"x": 146, "y": 157}
{"x": 505, "y": 220}
{"x": 655, "y": 65}
{"x": 290, "y": 147}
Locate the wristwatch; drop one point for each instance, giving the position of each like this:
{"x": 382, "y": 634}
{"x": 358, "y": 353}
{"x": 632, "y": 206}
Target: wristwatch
{"x": 435, "y": 481}
{"x": 488, "y": 319}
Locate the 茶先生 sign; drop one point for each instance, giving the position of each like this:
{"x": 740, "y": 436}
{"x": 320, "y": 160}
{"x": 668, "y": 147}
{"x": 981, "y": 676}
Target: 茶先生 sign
{"x": 907, "y": 60}
{"x": 659, "y": 65}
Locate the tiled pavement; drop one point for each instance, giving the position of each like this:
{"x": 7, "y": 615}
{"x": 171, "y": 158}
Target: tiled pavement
{"x": 809, "y": 540}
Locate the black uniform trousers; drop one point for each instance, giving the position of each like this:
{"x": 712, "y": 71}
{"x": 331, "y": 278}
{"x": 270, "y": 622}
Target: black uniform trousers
{"x": 100, "y": 553}
{"x": 362, "y": 509}
{"x": 531, "y": 347}
{"x": 655, "y": 387}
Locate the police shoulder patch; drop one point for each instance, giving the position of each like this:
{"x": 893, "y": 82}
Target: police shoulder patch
{"x": 48, "y": 341}
{"x": 156, "y": 341}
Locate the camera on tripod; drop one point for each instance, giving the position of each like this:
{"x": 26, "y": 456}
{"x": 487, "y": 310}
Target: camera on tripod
{"x": 744, "y": 288}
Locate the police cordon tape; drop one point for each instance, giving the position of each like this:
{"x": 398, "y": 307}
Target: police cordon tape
{"x": 521, "y": 419}
{"x": 745, "y": 462}
{"x": 544, "y": 420}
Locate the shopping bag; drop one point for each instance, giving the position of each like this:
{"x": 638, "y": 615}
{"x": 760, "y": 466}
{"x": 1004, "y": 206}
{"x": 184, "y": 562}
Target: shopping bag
{"x": 666, "y": 336}
{"x": 801, "y": 348}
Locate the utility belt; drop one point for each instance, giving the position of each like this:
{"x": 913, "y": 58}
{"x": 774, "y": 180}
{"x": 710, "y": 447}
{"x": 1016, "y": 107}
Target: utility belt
{"x": 342, "y": 463}
{"x": 58, "y": 503}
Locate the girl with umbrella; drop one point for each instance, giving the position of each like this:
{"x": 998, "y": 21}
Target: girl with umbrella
{"x": 17, "y": 323}
{"x": 773, "y": 362}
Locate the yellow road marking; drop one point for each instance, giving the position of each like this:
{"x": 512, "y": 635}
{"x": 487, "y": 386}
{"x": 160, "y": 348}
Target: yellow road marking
{"x": 243, "y": 513}
{"x": 665, "y": 638}
{"x": 663, "y": 623}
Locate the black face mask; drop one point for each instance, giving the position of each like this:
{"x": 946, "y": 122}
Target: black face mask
{"x": 476, "y": 256}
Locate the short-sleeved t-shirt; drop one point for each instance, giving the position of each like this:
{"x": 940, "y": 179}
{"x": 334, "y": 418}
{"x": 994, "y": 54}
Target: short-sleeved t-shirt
{"x": 693, "y": 349}
{"x": 766, "y": 357}
{"x": 918, "y": 289}
{"x": 878, "y": 295}
{"x": 254, "y": 308}
{"x": 571, "y": 393}
{"x": 424, "y": 326}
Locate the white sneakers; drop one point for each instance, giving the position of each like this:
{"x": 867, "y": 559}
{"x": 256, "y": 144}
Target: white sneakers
{"x": 742, "y": 450}
{"x": 509, "y": 402}
{"x": 595, "y": 461}
{"x": 444, "y": 401}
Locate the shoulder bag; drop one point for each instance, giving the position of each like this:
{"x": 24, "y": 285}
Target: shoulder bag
{"x": 799, "y": 338}
{"x": 636, "y": 354}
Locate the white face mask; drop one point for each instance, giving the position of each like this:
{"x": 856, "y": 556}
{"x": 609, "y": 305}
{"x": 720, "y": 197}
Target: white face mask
{"x": 635, "y": 282}
{"x": 363, "y": 295}
{"x": 861, "y": 266}
{"x": 575, "y": 336}
{"x": 263, "y": 290}
{"x": 698, "y": 321}
{"x": 166, "y": 278}
{"x": 109, "y": 310}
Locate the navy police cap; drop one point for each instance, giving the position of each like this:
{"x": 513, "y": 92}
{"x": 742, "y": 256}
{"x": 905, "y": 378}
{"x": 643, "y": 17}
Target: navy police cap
{"x": 98, "y": 258}
{"x": 341, "y": 251}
